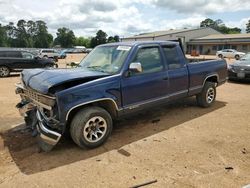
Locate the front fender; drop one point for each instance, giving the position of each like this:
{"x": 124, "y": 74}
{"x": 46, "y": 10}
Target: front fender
{"x": 106, "y": 89}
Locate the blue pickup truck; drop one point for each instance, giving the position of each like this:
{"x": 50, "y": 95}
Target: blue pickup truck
{"x": 114, "y": 80}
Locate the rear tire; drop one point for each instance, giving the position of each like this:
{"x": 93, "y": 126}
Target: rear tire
{"x": 4, "y": 71}
{"x": 207, "y": 96}
{"x": 237, "y": 57}
{"x": 220, "y": 56}
{"x": 91, "y": 127}
{"x": 48, "y": 66}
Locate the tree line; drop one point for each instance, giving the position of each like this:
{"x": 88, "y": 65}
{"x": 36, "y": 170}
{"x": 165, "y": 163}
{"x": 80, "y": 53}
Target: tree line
{"x": 34, "y": 34}
{"x": 221, "y": 27}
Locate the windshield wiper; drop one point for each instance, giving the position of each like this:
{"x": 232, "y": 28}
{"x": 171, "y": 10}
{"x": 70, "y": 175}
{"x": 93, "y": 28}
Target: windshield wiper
{"x": 97, "y": 68}
{"x": 94, "y": 67}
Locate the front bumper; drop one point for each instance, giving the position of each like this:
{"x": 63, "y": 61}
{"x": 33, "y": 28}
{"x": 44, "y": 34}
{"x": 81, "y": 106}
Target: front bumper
{"x": 44, "y": 132}
{"x": 238, "y": 75}
{"x": 40, "y": 117}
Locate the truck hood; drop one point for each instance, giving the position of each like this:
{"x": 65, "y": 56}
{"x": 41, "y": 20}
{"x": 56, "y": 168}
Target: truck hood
{"x": 42, "y": 80}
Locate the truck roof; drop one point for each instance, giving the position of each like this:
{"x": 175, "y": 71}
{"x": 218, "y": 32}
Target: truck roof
{"x": 133, "y": 43}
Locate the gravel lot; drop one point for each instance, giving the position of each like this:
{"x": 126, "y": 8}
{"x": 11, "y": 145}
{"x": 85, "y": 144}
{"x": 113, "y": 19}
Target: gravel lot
{"x": 179, "y": 145}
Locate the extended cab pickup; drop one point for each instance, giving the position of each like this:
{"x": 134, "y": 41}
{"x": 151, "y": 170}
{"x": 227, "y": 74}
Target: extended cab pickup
{"x": 112, "y": 81}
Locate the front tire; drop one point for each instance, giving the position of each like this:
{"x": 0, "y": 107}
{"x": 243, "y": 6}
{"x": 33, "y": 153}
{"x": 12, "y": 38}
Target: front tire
{"x": 237, "y": 57}
{"x": 4, "y": 71}
{"x": 91, "y": 127}
{"x": 207, "y": 96}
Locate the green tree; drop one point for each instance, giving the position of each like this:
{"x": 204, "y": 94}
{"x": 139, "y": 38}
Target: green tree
{"x": 65, "y": 37}
{"x": 100, "y": 38}
{"x": 117, "y": 38}
{"x": 111, "y": 39}
{"x": 208, "y": 22}
{"x": 219, "y": 26}
{"x": 81, "y": 41}
{"x": 3, "y": 37}
{"x": 21, "y": 35}
{"x": 11, "y": 34}
{"x": 41, "y": 37}
{"x": 248, "y": 27}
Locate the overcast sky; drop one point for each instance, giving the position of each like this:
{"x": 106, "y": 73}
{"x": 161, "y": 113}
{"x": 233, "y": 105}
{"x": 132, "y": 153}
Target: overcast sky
{"x": 124, "y": 17}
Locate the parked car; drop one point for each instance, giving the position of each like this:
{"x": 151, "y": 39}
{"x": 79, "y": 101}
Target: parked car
{"x": 62, "y": 54}
{"x": 88, "y": 50}
{"x": 114, "y": 80}
{"x": 74, "y": 51}
{"x": 229, "y": 53}
{"x": 16, "y": 61}
{"x": 49, "y": 53}
{"x": 240, "y": 70}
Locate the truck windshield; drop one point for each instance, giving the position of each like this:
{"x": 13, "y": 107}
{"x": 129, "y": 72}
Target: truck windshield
{"x": 107, "y": 59}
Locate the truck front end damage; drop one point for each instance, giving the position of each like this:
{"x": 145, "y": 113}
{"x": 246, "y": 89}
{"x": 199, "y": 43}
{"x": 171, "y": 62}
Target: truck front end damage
{"x": 41, "y": 116}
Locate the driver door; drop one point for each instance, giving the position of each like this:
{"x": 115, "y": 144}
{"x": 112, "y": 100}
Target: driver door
{"x": 148, "y": 85}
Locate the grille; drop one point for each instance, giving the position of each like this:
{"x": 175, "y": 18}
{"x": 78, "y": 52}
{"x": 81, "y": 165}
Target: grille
{"x": 36, "y": 97}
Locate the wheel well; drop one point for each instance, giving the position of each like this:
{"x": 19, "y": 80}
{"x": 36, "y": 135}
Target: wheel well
{"x": 213, "y": 79}
{"x": 108, "y": 105}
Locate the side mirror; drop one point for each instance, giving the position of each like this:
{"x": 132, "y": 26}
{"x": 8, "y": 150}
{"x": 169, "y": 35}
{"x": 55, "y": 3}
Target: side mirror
{"x": 135, "y": 67}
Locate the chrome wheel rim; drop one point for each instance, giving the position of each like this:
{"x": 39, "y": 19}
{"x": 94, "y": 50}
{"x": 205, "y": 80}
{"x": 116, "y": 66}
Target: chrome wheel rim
{"x": 95, "y": 129}
{"x": 4, "y": 71}
{"x": 210, "y": 95}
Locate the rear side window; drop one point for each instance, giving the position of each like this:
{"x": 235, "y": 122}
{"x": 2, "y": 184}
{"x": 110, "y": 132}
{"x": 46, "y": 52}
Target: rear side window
{"x": 150, "y": 59}
{"x": 27, "y": 55}
{"x": 172, "y": 57}
{"x": 14, "y": 54}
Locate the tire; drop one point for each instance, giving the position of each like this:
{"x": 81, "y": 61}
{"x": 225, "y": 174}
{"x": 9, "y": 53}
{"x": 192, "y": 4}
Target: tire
{"x": 220, "y": 56}
{"x": 207, "y": 96}
{"x": 4, "y": 71}
{"x": 237, "y": 57}
{"x": 84, "y": 131}
{"x": 48, "y": 66}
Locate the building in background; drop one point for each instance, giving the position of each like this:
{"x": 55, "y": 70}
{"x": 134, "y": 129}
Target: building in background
{"x": 205, "y": 41}
{"x": 184, "y": 34}
{"x": 212, "y": 43}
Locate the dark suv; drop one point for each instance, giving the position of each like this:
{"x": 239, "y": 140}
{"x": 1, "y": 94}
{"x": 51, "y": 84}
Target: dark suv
{"x": 17, "y": 60}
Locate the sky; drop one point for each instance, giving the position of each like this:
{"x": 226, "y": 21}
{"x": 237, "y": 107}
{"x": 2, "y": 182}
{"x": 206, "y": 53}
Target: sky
{"x": 125, "y": 17}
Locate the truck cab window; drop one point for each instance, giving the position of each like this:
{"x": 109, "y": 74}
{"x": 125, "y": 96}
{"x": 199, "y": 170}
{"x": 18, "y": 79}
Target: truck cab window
{"x": 150, "y": 59}
{"x": 172, "y": 57}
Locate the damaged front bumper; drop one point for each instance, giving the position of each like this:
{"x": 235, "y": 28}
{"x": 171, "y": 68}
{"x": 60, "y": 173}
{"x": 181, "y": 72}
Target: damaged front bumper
{"x": 44, "y": 126}
{"x": 47, "y": 137}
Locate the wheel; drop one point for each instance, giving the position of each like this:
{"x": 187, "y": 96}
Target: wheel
{"x": 207, "y": 96}
{"x": 91, "y": 127}
{"x": 220, "y": 56}
{"x": 4, "y": 71}
{"x": 47, "y": 66}
{"x": 237, "y": 57}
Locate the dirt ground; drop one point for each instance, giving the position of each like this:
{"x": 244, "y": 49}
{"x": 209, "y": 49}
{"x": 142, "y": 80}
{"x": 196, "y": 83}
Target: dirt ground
{"x": 179, "y": 145}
